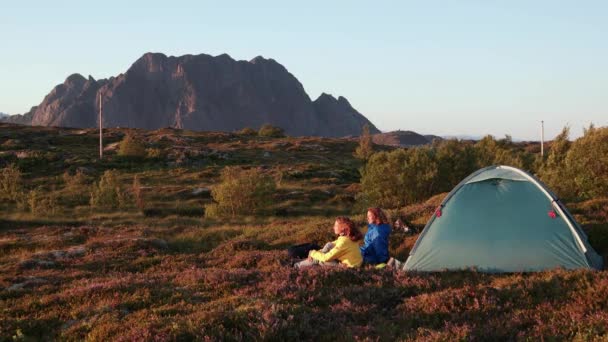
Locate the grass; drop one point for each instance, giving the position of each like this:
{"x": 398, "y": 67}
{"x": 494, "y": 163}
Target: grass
{"x": 171, "y": 274}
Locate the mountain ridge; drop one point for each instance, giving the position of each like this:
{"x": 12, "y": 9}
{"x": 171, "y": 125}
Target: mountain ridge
{"x": 198, "y": 92}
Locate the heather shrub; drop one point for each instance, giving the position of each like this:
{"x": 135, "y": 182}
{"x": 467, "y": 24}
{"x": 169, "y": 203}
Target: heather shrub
{"x": 365, "y": 148}
{"x": 130, "y": 146}
{"x": 11, "y": 183}
{"x": 270, "y": 131}
{"x": 241, "y": 192}
{"x": 108, "y": 192}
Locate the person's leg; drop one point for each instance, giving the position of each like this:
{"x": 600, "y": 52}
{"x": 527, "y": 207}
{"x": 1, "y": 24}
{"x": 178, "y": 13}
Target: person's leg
{"x": 396, "y": 264}
{"x": 332, "y": 263}
{"x": 305, "y": 263}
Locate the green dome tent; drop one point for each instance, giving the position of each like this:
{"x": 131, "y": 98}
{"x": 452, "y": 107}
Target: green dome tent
{"x": 501, "y": 219}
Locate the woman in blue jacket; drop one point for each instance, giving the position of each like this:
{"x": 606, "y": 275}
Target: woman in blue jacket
{"x": 375, "y": 248}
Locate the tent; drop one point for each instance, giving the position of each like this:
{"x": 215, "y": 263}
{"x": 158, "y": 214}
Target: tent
{"x": 502, "y": 219}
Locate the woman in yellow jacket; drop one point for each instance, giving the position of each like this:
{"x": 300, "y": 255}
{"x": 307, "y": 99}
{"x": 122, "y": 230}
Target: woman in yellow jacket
{"x": 343, "y": 251}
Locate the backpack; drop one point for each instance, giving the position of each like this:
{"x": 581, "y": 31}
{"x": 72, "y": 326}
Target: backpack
{"x": 301, "y": 251}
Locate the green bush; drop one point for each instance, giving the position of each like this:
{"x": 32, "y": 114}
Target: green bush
{"x": 393, "y": 179}
{"x": 455, "y": 161}
{"x": 108, "y": 193}
{"x": 41, "y": 204}
{"x": 130, "y": 146}
{"x": 155, "y": 153}
{"x": 75, "y": 181}
{"x": 587, "y": 163}
{"x": 11, "y": 183}
{"x": 248, "y": 131}
{"x": 241, "y": 192}
{"x": 490, "y": 151}
{"x": 554, "y": 171}
{"x": 271, "y": 131}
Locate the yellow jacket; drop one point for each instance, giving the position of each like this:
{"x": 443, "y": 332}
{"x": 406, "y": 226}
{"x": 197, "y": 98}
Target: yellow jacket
{"x": 345, "y": 250}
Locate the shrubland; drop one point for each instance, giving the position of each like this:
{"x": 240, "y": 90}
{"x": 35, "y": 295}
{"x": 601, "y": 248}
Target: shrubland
{"x": 125, "y": 248}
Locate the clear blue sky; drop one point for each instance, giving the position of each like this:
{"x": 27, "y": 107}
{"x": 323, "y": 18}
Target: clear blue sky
{"x": 441, "y": 67}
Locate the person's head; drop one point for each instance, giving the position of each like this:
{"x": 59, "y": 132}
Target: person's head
{"x": 346, "y": 227}
{"x": 376, "y": 216}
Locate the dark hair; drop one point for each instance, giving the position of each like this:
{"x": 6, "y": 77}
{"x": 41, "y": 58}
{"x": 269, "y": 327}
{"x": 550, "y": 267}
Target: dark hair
{"x": 379, "y": 216}
{"x": 349, "y": 228}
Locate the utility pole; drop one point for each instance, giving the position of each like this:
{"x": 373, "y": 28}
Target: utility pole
{"x": 542, "y": 139}
{"x": 100, "y": 129}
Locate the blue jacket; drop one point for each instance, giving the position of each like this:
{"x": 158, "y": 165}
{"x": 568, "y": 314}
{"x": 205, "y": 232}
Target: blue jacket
{"x": 375, "y": 248}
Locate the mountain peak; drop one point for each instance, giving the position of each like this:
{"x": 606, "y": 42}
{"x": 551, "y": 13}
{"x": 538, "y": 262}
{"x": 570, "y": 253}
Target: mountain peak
{"x": 199, "y": 92}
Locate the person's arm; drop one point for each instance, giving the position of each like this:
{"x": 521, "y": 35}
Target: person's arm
{"x": 380, "y": 247}
{"x": 369, "y": 236}
{"x": 334, "y": 253}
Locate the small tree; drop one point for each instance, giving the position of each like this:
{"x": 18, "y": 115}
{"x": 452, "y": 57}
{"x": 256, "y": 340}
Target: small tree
{"x": 40, "y": 204}
{"x": 587, "y": 163}
{"x": 270, "y": 131}
{"x": 365, "y": 148}
{"x": 130, "y": 146}
{"x": 554, "y": 170}
{"x": 241, "y": 192}
{"x": 108, "y": 192}
{"x": 11, "y": 183}
{"x": 394, "y": 179}
{"x": 74, "y": 181}
{"x": 138, "y": 195}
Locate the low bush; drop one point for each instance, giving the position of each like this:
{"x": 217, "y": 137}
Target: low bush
{"x": 247, "y": 131}
{"x": 155, "y": 153}
{"x": 108, "y": 192}
{"x": 11, "y": 183}
{"x": 271, "y": 131}
{"x": 241, "y": 192}
{"x": 40, "y": 203}
{"x": 130, "y": 146}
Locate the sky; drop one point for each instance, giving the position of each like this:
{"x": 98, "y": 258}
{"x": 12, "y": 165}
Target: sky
{"x": 435, "y": 67}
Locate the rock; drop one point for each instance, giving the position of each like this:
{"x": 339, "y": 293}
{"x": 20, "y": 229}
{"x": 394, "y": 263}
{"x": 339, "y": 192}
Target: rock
{"x": 201, "y": 191}
{"x": 22, "y": 154}
{"x": 28, "y": 283}
{"x": 198, "y": 92}
{"x": 159, "y": 243}
{"x": 266, "y": 154}
{"x": 77, "y": 251}
{"x": 34, "y": 263}
{"x": 111, "y": 147}
{"x": 86, "y": 170}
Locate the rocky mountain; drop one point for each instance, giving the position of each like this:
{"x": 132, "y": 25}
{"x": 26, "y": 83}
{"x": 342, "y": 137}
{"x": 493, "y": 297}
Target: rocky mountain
{"x": 22, "y": 119}
{"x": 198, "y": 92}
{"x": 402, "y": 138}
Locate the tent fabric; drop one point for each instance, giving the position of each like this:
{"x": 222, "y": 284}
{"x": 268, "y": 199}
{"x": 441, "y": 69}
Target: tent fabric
{"x": 498, "y": 220}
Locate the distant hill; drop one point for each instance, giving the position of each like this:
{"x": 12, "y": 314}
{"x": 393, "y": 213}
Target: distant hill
{"x": 197, "y": 92}
{"x": 22, "y": 119}
{"x": 403, "y": 138}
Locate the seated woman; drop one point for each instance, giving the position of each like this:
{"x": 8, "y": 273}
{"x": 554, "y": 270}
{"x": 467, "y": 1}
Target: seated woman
{"x": 375, "y": 248}
{"x": 343, "y": 251}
